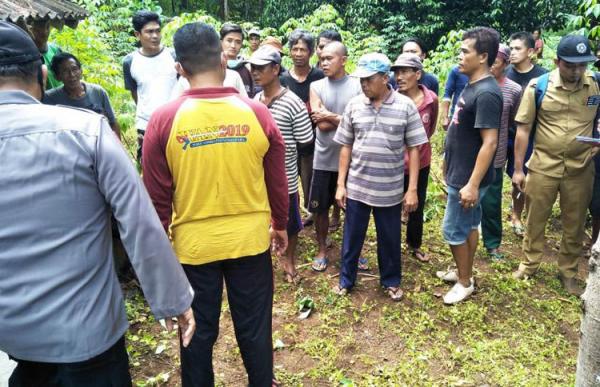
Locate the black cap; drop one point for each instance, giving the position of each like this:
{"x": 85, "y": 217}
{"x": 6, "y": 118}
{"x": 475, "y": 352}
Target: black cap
{"x": 16, "y": 46}
{"x": 575, "y": 49}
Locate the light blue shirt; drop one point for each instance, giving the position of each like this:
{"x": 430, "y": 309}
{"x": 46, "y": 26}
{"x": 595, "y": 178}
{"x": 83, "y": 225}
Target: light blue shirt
{"x": 62, "y": 172}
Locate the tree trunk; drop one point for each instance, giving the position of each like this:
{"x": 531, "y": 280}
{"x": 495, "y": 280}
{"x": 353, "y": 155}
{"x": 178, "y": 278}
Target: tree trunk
{"x": 225, "y": 10}
{"x": 588, "y": 362}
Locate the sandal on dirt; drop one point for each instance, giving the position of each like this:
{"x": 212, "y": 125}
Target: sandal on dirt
{"x": 495, "y": 254}
{"x": 337, "y": 289}
{"x": 292, "y": 278}
{"x": 518, "y": 229}
{"x": 395, "y": 294}
{"x": 363, "y": 264}
{"x": 319, "y": 264}
{"x": 420, "y": 255}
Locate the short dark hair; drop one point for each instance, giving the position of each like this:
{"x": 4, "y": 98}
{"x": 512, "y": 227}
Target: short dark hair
{"x": 487, "y": 41}
{"x": 525, "y": 37}
{"x": 228, "y": 28}
{"x": 305, "y": 36}
{"x": 416, "y": 41}
{"x": 61, "y": 57}
{"x": 141, "y": 18}
{"x": 24, "y": 72}
{"x": 332, "y": 35}
{"x": 197, "y": 47}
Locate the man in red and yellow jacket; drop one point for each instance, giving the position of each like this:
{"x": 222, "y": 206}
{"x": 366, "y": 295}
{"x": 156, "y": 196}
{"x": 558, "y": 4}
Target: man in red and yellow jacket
{"x": 214, "y": 166}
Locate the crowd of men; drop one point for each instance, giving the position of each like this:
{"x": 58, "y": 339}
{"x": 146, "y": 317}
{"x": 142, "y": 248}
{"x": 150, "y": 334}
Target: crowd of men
{"x": 233, "y": 148}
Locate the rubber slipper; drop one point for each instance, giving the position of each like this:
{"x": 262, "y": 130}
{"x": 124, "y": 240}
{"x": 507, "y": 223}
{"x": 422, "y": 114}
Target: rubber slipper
{"x": 420, "y": 255}
{"x": 319, "y": 264}
{"x": 395, "y": 294}
{"x": 292, "y": 278}
{"x": 337, "y": 289}
{"x": 496, "y": 255}
{"x": 518, "y": 229}
{"x": 334, "y": 227}
{"x": 363, "y": 264}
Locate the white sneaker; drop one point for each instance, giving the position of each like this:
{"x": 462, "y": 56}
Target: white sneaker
{"x": 450, "y": 275}
{"x": 458, "y": 293}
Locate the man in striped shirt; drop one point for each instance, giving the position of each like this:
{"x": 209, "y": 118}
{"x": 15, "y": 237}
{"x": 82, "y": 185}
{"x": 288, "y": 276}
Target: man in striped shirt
{"x": 491, "y": 204}
{"x": 375, "y": 128}
{"x": 295, "y": 126}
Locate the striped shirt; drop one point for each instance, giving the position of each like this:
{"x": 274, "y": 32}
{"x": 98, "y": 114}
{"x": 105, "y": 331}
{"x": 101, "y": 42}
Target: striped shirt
{"x": 295, "y": 126}
{"x": 511, "y": 97}
{"x": 378, "y": 138}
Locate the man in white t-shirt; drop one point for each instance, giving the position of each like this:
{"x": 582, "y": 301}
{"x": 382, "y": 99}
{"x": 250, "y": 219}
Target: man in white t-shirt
{"x": 149, "y": 71}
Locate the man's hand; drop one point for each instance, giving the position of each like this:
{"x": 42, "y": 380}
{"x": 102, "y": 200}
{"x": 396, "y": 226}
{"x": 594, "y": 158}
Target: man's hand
{"x": 445, "y": 122}
{"x": 410, "y": 200}
{"x": 279, "y": 241}
{"x": 319, "y": 116}
{"x": 518, "y": 180}
{"x": 187, "y": 326}
{"x": 340, "y": 197}
{"x": 468, "y": 196}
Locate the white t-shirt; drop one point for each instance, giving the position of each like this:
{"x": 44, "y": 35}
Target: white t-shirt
{"x": 232, "y": 79}
{"x": 153, "y": 78}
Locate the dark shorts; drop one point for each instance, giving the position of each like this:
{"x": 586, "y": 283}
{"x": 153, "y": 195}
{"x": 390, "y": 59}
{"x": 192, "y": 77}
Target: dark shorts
{"x": 595, "y": 203}
{"x": 294, "y": 225}
{"x": 322, "y": 191}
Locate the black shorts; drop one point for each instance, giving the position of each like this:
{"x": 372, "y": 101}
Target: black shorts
{"x": 294, "y": 225}
{"x": 322, "y": 191}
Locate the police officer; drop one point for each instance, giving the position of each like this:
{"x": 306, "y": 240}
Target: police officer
{"x": 559, "y": 163}
{"x": 61, "y": 170}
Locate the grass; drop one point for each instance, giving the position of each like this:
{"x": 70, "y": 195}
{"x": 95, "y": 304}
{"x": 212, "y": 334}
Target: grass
{"x": 510, "y": 333}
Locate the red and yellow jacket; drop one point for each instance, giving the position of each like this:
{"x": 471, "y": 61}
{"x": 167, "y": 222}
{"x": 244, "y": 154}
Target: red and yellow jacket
{"x": 214, "y": 166}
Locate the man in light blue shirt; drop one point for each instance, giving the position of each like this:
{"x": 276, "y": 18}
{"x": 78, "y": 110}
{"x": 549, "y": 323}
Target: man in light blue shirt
{"x": 62, "y": 171}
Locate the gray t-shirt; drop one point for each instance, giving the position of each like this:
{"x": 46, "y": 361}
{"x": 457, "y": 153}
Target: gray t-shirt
{"x": 335, "y": 95}
{"x": 95, "y": 99}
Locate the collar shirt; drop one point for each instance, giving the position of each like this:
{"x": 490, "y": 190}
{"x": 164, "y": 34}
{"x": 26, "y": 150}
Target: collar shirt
{"x": 378, "y": 138}
{"x": 62, "y": 173}
{"x": 563, "y": 115}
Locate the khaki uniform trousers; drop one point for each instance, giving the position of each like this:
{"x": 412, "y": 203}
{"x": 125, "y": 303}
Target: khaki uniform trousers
{"x": 540, "y": 195}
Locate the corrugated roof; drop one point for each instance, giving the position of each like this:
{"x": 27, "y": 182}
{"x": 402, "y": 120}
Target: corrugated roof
{"x": 54, "y": 10}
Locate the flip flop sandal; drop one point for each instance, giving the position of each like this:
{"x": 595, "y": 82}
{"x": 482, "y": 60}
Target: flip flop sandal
{"x": 292, "y": 278}
{"x": 340, "y": 291}
{"x": 420, "y": 255}
{"x": 363, "y": 264}
{"x": 319, "y": 264}
{"x": 395, "y": 294}
{"x": 518, "y": 229}
{"x": 496, "y": 255}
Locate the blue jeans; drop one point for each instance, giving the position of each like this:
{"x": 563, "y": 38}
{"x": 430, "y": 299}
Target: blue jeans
{"x": 387, "y": 224}
{"x": 459, "y": 221}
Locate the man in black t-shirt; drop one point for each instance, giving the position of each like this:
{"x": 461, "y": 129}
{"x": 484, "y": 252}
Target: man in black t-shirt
{"x": 470, "y": 147}
{"x": 522, "y": 70}
{"x": 298, "y": 79}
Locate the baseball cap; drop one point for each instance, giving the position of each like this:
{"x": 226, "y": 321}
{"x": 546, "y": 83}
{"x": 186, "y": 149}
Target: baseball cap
{"x": 273, "y": 42}
{"x": 254, "y": 31}
{"x": 503, "y": 52}
{"x": 370, "y": 64}
{"x": 264, "y": 55}
{"x": 575, "y": 49}
{"x": 16, "y": 46}
{"x": 408, "y": 60}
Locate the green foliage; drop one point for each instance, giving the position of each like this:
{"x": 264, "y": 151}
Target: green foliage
{"x": 587, "y": 19}
{"x": 178, "y": 21}
{"x": 112, "y": 19}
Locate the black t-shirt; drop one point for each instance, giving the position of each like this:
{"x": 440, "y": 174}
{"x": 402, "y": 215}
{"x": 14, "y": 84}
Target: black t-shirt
{"x": 302, "y": 90}
{"x": 523, "y": 78}
{"x": 479, "y": 107}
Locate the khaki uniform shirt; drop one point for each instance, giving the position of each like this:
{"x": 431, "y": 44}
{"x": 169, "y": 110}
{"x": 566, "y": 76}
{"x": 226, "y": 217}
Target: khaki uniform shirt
{"x": 563, "y": 115}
